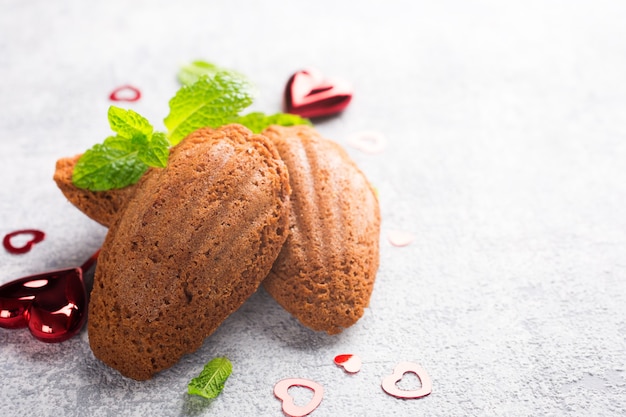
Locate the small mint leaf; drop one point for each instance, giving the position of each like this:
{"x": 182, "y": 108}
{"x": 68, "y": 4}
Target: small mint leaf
{"x": 127, "y": 123}
{"x": 257, "y": 121}
{"x": 209, "y": 102}
{"x": 191, "y": 73}
{"x": 155, "y": 151}
{"x": 103, "y": 167}
{"x": 210, "y": 383}
{"x": 118, "y": 142}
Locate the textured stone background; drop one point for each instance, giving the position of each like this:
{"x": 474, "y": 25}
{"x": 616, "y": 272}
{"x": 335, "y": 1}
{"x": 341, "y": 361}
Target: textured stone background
{"x": 506, "y": 157}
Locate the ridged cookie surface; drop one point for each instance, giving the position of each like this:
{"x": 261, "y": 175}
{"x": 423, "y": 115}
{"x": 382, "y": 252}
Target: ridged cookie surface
{"x": 194, "y": 242}
{"x": 325, "y": 273}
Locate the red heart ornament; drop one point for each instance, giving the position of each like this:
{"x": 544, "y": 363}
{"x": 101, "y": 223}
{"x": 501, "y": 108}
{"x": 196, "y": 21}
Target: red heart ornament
{"x": 309, "y": 95}
{"x": 53, "y": 305}
{"x": 37, "y": 236}
{"x": 289, "y": 407}
{"x": 390, "y": 386}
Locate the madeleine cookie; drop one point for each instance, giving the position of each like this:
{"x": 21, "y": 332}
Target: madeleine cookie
{"x": 193, "y": 243}
{"x": 325, "y": 273}
{"x": 101, "y": 206}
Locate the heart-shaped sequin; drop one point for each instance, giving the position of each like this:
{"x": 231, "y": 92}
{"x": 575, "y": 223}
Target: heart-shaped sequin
{"x": 125, "y": 93}
{"x": 36, "y": 237}
{"x": 350, "y": 363}
{"x": 53, "y": 305}
{"x": 281, "y": 391}
{"x": 390, "y": 382}
{"x": 309, "y": 94}
{"x": 400, "y": 237}
{"x": 368, "y": 141}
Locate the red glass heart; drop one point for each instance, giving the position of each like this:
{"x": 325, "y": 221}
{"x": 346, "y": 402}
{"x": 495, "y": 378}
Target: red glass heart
{"x": 53, "y": 305}
{"x": 308, "y": 94}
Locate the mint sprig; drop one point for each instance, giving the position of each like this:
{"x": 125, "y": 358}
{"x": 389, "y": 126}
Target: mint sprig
{"x": 257, "y": 121}
{"x": 209, "y": 102}
{"x": 190, "y": 73}
{"x": 121, "y": 159}
{"x": 211, "y": 96}
{"x": 210, "y": 383}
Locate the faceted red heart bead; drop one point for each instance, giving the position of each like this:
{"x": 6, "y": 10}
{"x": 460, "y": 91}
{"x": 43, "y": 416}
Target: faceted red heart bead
{"x": 308, "y": 94}
{"x": 53, "y": 305}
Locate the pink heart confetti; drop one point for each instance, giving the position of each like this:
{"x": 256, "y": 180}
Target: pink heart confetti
{"x": 350, "y": 363}
{"x": 400, "y": 238}
{"x": 289, "y": 407}
{"x": 389, "y": 383}
{"x": 368, "y": 141}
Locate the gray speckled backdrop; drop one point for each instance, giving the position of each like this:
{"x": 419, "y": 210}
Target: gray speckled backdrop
{"x": 506, "y": 157}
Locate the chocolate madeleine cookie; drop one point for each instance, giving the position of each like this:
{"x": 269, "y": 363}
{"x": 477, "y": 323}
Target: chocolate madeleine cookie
{"x": 101, "y": 206}
{"x": 325, "y": 273}
{"x": 193, "y": 243}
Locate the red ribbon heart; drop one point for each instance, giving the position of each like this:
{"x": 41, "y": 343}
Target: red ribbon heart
{"x": 308, "y": 94}
{"x": 53, "y": 305}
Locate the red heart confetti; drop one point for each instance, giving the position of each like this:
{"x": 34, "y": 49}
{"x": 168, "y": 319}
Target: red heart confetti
{"x": 37, "y": 236}
{"x": 350, "y": 363}
{"x": 368, "y": 141}
{"x": 53, "y": 305}
{"x": 289, "y": 407}
{"x": 125, "y": 93}
{"x": 400, "y": 238}
{"x": 390, "y": 386}
{"x": 308, "y": 94}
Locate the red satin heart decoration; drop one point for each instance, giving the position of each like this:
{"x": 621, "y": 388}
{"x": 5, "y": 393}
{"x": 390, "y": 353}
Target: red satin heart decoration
{"x": 53, "y": 305}
{"x": 309, "y": 95}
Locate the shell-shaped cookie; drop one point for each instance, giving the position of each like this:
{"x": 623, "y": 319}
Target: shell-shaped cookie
{"x": 101, "y": 206}
{"x": 325, "y": 273}
{"x": 194, "y": 242}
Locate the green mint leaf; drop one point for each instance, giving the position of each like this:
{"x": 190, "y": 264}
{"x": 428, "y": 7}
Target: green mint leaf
{"x": 156, "y": 150}
{"x": 191, "y": 73}
{"x": 257, "y": 121}
{"x": 104, "y": 167}
{"x": 209, "y": 102}
{"x": 121, "y": 159}
{"x": 127, "y": 123}
{"x": 210, "y": 383}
